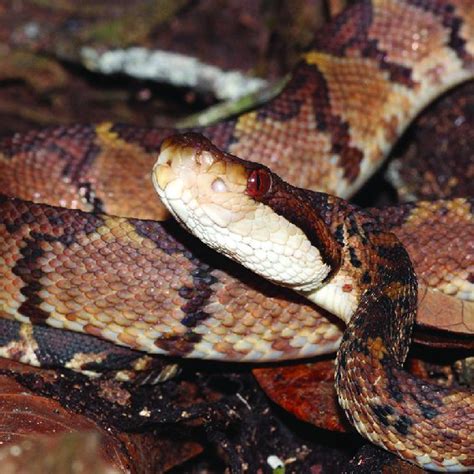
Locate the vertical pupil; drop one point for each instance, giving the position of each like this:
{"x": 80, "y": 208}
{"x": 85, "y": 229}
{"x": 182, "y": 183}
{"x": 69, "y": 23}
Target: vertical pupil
{"x": 258, "y": 183}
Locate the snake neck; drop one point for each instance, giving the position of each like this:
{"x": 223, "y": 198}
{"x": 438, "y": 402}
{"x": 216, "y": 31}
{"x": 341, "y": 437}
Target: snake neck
{"x": 340, "y": 296}
{"x": 341, "y": 292}
{"x": 373, "y": 262}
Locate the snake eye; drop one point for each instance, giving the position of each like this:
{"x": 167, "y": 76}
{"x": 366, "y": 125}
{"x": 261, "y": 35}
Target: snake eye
{"x": 258, "y": 183}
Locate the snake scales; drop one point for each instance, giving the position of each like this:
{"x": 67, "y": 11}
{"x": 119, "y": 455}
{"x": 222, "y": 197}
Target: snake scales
{"x": 144, "y": 285}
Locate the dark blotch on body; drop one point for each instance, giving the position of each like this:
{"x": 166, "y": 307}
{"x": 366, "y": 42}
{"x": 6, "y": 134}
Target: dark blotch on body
{"x": 403, "y": 424}
{"x": 354, "y": 259}
{"x": 178, "y": 344}
{"x": 382, "y": 412}
{"x": 428, "y": 412}
{"x": 156, "y": 232}
{"x": 339, "y": 234}
{"x": 366, "y": 278}
{"x": 197, "y": 296}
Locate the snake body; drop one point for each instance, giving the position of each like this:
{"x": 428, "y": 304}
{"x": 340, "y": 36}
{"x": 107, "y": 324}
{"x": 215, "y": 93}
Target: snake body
{"x": 369, "y": 73}
{"x": 340, "y": 258}
{"x": 145, "y": 285}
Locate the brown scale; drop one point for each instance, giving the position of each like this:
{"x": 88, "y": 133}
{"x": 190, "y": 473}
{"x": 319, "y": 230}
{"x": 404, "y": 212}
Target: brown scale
{"x": 96, "y": 275}
{"x": 90, "y": 266}
{"x": 424, "y": 424}
{"x": 397, "y": 44}
{"x": 95, "y": 290}
{"x": 421, "y": 170}
{"x": 135, "y": 276}
{"x": 425, "y": 229}
{"x": 347, "y": 101}
{"x": 53, "y": 348}
{"x": 388, "y": 405}
{"x": 79, "y": 265}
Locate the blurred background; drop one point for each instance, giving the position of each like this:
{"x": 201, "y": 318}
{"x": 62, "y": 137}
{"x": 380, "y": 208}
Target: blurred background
{"x": 147, "y": 62}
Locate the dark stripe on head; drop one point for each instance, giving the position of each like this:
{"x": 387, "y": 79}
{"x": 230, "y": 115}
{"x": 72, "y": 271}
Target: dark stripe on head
{"x": 304, "y": 209}
{"x": 293, "y": 204}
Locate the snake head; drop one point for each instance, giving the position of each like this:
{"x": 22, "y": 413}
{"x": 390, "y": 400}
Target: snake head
{"x": 243, "y": 210}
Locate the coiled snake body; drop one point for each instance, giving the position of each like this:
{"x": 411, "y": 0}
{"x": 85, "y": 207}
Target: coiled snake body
{"x": 340, "y": 258}
{"x": 141, "y": 284}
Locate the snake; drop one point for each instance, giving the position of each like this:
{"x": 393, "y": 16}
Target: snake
{"x": 341, "y": 259}
{"x": 82, "y": 247}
